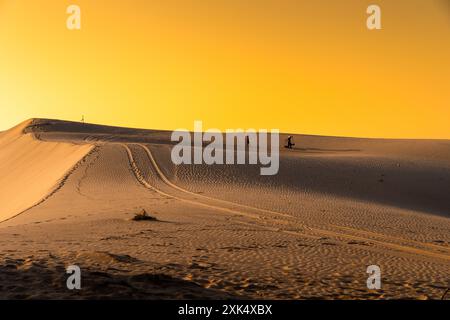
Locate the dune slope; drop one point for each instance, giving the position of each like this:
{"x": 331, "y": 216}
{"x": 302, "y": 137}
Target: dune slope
{"x": 31, "y": 169}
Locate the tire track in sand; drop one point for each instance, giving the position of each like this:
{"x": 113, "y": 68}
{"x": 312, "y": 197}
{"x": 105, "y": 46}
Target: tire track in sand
{"x": 336, "y": 234}
{"x": 141, "y": 179}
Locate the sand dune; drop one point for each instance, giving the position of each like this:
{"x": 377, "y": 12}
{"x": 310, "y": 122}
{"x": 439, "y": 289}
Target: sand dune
{"x": 336, "y": 206}
{"x": 30, "y": 169}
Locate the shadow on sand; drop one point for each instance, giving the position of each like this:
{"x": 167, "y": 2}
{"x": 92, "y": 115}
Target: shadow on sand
{"x": 30, "y": 279}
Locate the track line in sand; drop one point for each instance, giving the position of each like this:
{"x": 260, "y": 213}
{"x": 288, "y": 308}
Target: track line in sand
{"x": 144, "y": 182}
{"x": 383, "y": 236}
{"x": 336, "y": 234}
{"x": 169, "y": 183}
{"x": 391, "y": 245}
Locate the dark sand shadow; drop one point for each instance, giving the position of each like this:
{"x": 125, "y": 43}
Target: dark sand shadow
{"x": 46, "y": 280}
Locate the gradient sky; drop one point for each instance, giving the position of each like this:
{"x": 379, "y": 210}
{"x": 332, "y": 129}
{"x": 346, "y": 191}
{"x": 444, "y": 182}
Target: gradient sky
{"x": 299, "y": 66}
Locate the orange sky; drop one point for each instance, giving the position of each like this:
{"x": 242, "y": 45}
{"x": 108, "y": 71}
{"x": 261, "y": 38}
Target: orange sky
{"x": 299, "y": 66}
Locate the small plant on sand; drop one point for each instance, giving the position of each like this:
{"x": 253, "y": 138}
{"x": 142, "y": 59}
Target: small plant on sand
{"x": 143, "y": 216}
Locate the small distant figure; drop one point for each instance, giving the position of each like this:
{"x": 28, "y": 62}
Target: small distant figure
{"x": 82, "y": 118}
{"x": 290, "y": 142}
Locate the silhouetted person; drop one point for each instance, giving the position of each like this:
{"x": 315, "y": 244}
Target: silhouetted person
{"x": 290, "y": 143}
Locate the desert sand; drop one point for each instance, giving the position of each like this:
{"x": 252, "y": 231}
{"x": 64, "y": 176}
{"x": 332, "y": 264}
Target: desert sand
{"x": 69, "y": 192}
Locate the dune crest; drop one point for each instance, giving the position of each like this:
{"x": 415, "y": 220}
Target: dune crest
{"x": 30, "y": 168}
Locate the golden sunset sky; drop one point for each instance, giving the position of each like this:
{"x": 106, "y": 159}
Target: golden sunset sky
{"x": 300, "y": 66}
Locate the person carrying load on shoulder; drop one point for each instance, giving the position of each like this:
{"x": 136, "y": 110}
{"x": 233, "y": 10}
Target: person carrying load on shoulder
{"x": 290, "y": 142}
